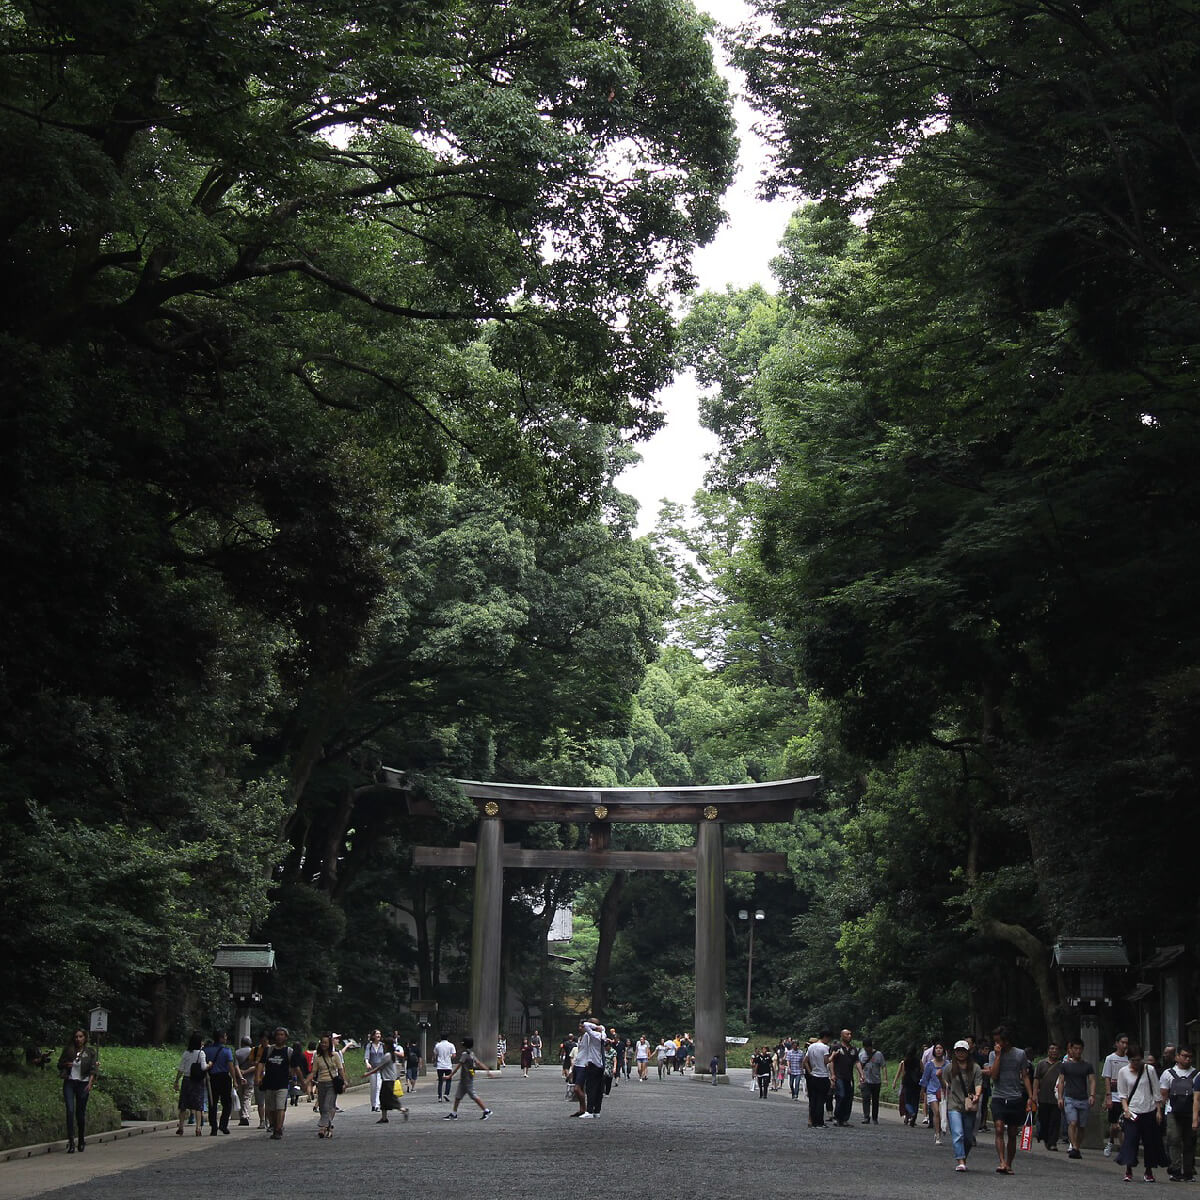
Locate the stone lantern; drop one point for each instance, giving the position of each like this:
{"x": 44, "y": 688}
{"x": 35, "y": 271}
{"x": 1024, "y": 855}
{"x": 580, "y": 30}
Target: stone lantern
{"x": 1090, "y": 967}
{"x": 242, "y": 963}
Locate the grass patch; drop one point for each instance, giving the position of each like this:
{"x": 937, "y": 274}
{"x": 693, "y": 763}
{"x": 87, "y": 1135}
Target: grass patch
{"x": 133, "y": 1084}
{"x": 34, "y": 1111}
{"x": 140, "y": 1081}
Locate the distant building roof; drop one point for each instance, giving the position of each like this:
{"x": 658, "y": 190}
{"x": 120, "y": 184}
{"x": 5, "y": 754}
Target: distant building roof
{"x": 1163, "y": 956}
{"x": 1090, "y": 952}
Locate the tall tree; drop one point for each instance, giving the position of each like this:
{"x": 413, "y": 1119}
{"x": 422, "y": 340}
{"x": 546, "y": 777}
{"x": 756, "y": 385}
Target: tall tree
{"x": 265, "y": 272}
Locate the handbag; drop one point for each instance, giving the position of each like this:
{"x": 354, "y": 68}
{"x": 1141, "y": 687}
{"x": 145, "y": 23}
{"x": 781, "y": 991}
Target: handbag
{"x": 1027, "y": 1132}
{"x": 339, "y": 1083}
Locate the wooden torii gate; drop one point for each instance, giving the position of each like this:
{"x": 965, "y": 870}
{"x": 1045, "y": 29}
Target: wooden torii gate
{"x": 708, "y": 808}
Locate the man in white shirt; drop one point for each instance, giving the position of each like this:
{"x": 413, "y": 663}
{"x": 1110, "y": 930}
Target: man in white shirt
{"x": 373, "y": 1054}
{"x": 443, "y": 1063}
{"x": 1108, "y": 1075}
{"x": 1177, "y": 1084}
{"x": 816, "y": 1067}
{"x": 589, "y": 1059}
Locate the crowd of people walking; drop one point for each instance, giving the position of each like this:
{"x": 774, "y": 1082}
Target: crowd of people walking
{"x": 1150, "y": 1105}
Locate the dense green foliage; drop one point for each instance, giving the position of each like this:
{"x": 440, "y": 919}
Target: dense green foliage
{"x": 963, "y": 438}
{"x": 327, "y": 331}
{"x": 324, "y": 330}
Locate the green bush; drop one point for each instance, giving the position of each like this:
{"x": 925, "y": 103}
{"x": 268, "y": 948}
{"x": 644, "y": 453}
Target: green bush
{"x": 33, "y": 1110}
{"x": 140, "y": 1082}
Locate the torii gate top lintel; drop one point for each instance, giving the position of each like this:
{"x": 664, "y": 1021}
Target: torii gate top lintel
{"x": 751, "y": 802}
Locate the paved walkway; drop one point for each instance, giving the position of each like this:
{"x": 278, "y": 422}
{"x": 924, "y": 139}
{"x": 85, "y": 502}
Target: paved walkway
{"x": 669, "y": 1140}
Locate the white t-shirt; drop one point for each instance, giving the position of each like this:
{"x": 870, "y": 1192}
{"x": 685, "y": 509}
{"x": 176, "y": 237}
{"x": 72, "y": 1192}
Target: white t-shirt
{"x": 1111, "y": 1069}
{"x": 669, "y": 1047}
{"x": 818, "y": 1060}
{"x": 443, "y": 1056}
{"x": 643, "y": 1050}
{"x": 1168, "y": 1077}
{"x": 1145, "y": 1098}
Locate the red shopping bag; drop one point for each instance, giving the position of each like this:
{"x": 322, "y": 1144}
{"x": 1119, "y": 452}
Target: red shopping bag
{"x": 1027, "y": 1133}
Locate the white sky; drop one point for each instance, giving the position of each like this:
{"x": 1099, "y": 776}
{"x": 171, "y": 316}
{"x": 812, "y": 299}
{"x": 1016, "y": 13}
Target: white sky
{"x": 672, "y": 465}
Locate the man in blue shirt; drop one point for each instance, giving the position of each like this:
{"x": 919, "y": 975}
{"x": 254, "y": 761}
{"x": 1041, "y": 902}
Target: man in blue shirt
{"x": 220, "y": 1082}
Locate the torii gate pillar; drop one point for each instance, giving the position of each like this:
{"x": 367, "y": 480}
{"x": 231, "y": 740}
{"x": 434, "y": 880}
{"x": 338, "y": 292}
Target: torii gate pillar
{"x": 485, "y": 939}
{"x": 710, "y": 946}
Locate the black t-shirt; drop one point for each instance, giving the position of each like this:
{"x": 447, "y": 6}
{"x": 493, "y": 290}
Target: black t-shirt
{"x": 844, "y": 1058}
{"x": 1075, "y": 1076}
{"x": 278, "y": 1065}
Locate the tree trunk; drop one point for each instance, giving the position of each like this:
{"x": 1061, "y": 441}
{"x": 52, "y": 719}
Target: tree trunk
{"x": 610, "y": 910}
{"x": 1029, "y": 944}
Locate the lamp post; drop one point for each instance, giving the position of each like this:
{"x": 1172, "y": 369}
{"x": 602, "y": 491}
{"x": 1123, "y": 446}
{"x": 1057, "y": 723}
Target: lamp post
{"x": 744, "y": 915}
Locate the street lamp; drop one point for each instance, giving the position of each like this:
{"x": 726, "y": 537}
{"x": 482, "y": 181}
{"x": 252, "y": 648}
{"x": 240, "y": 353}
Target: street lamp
{"x": 744, "y": 915}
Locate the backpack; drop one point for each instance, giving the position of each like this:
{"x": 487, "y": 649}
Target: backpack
{"x": 1180, "y": 1091}
{"x": 196, "y": 1071}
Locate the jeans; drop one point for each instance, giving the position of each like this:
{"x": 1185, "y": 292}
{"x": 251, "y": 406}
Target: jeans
{"x": 1181, "y": 1144}
{"x": 794, "y": 1082}
{"x": 221, "y": 1092}
{"x": 843, "y": 1103}
{"x": 75, "y": 1093}
{"x": 962, "y": 1132}
{"x": 443, "y": 1081}
{"x": 870, "y": 1101}
{"x": 818, "y": 1090}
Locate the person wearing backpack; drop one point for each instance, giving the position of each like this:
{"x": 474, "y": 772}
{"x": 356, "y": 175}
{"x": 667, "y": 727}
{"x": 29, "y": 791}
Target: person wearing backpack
{"x": 221, "y": 1070}
{"x": 1177, "y": 1084}
{"x": 465, "y": 1070}
{"x": 192, "y": 1078}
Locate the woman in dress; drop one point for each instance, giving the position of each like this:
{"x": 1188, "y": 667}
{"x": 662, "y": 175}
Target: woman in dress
{"x": 327, "y": 1066}
{"x": 526, "y": 1058}
{"x": 77, "y": 1068}
{"x": 931, "y": 1085}
{"x": 192, "y": 1077}
{"x": 962, "y": 1091}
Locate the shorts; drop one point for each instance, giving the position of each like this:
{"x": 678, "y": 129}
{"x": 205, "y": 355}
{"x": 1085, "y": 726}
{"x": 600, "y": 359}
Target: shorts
{"x": 276, "y": 1098}
{"x": 466, "y": 1086}
{"x": 1008, "y": 1112}
{"x": 1075, "y": 1112}
{"x": 577, "y": 1075}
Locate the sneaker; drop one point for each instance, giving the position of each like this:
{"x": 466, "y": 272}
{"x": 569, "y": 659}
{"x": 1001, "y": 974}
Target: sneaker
{"x": 587, "y": 1116}
{"x": 937, "y": 1141}
{"x": 1128, "y": 1176}
{"x": 1108, "y": 1149}
{"x": 487, "y": 1112}
{"x": 961, "y": 1167}
{"x": 1073, "y": 1153}
{"x": 450, "y": 1117}
{"x": 1148, "y": 1177}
